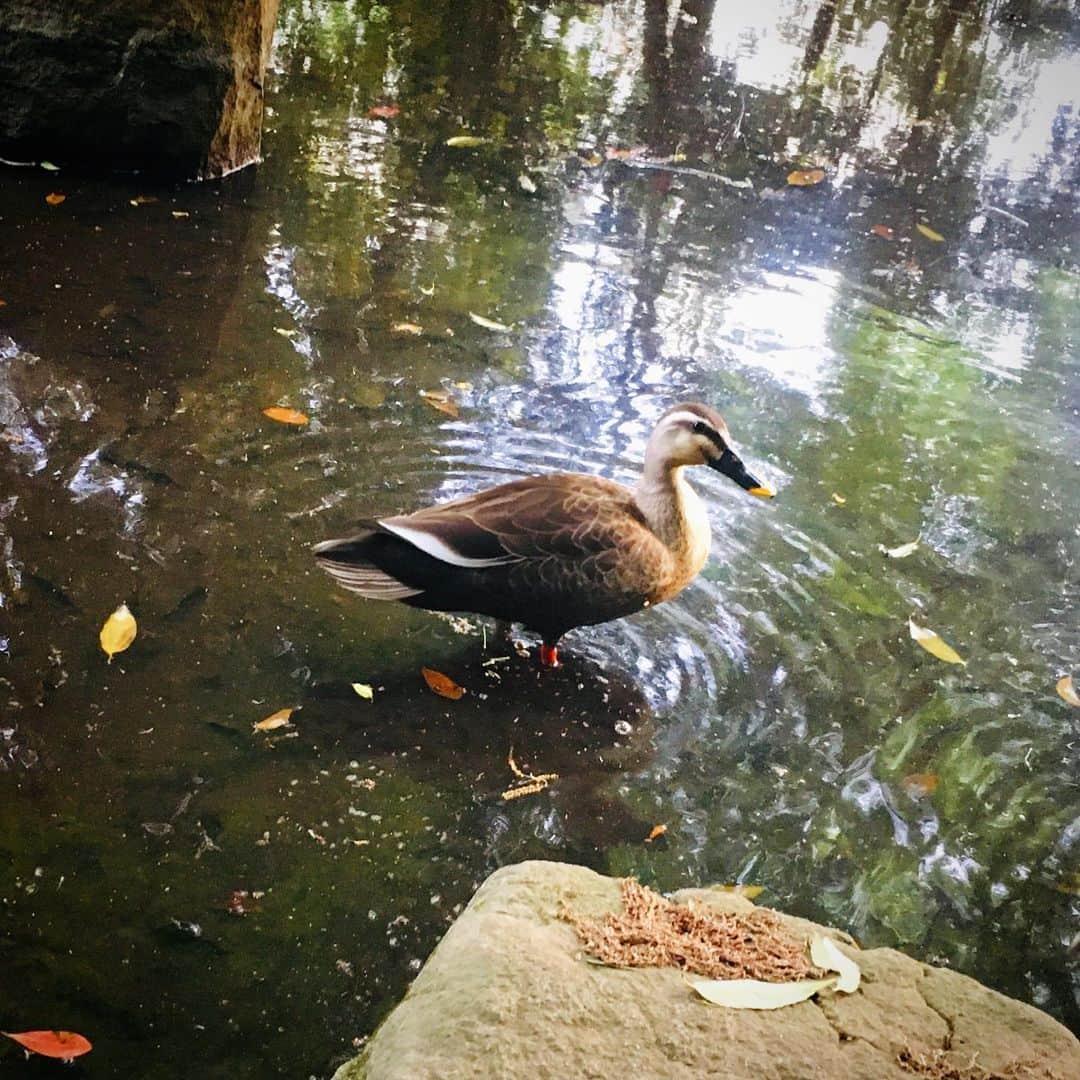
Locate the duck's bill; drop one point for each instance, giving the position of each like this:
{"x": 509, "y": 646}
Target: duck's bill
{"x": 732, "y": 467}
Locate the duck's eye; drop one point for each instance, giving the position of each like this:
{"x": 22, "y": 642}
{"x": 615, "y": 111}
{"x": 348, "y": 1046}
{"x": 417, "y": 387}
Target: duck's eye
{"x": 701, "y": 428}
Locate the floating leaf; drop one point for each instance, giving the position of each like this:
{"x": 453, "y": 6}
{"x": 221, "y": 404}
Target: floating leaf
{"x": 489, "y": 324}
{"x": 274, "y": 721}
{"x": 749, "y": 892}
{"x": 118, "y": 632}
{"x": 826, "y": 955}
{"x": 654, "y": 832}
{"x": 364, "y": 691}
{"x": 441, "y": 400}
{"x": 1067, "y": 691}
{"x": 838, "y": 498}
{"x": 48, "y": 166}
{"x": 805, "y": 177}
{"x": 934, "y": 644}
{"x": 901, "y": 552}
{"x": 754, "y": 994}
{"x": 525, "y": 182}
{"x": 180, "y": 214}
{"x": 884, "y": 231}
{"x": 143, "y": 200}
{"x": 920, "y": 784}
{"x": 466, "y": 140}
{"x": 383, "y": 112}
{"x": 55, "y": 1044}
{"x": 286, "y": 332}
{"x": 930, "y": 234}
{"x": 442, "y": 684}
{"x": 285, "y": 416}
{"x": 407, "y": 328}
{"x": 54, "y": 198}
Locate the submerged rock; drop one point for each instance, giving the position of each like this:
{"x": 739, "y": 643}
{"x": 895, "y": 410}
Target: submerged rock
{"x": 172, "y": 87}
{"x": 507, "y": 993}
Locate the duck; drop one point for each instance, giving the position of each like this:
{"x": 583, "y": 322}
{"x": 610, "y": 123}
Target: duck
{"x": 557, "y": 551}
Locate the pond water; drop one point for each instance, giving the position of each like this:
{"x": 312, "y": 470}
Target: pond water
{"x": 894, "y": 349}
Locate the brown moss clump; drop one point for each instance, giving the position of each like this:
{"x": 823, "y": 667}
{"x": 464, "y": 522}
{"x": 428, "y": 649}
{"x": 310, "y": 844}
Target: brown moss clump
{"x": 654, "y": 932}
{"x": 935, "y": 1065}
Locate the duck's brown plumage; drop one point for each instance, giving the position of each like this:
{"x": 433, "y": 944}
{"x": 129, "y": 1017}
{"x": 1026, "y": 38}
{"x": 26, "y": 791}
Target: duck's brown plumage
{"x": 552, "y": 552}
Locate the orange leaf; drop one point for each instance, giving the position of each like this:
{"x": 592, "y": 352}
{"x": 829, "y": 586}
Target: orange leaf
{"x": 285, "y": 416}
{"x": 805, "y": 177}
{"x": 54, "y": 1044}
{"x": 1067, "y": 691}
{"x": 54, "y": 199}
{"x": 442, "y": 684}
{"x": 383, "y": 112}
{"x": 920, "y": 783}
{"x": 654, "y": 832}
{"x": 439, "y": 399}
{"x": 883, "y": 231}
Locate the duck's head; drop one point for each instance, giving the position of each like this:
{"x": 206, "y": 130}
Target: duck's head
{"x": 694, "y": 434}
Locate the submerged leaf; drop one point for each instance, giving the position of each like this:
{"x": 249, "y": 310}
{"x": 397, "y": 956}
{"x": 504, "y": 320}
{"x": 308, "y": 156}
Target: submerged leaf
{"x": 805, "y": 177}
{"x": 826, "y": 955}
{"x": 364, "y": 691}
{"x": 442, "y": 684}
{"x": 901, "y": 552}
{"x": 407, "y": 328}
{"x": 489, "y": 324}
{"x": 884, "y": 231}
{"x": 748, "y": 892}
{"x": 1067, "y": 691}
{"x": 54, "y": 198}
{"x": 930, "y": 234}
{"x": 838, "y": 498}
{"x": 274, "y": 721}
{"x": 118, "y": 632}
{"x": 383, "y": 112}
{"x": 934, "y": 644}
{"x": 466, "y": 140}
{"x": 755, "y": 994}
{"x": 441, "y": 400}
{"x": 654, "y": 832}
{"x": 54, "y": 1044}
{"x": 286, "y": 416}
{"x": 526, "y": 183}
{"x": 919, "y": 784}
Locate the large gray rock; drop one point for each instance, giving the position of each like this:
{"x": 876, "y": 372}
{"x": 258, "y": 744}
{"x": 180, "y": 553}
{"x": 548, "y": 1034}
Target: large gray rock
{"x": 506, "y": 993}
{"x": 173, "y": 86}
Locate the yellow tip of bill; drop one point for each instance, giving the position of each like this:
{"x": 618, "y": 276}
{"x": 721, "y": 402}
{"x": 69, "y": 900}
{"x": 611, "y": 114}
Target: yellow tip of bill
{"x": 763, "y": 492}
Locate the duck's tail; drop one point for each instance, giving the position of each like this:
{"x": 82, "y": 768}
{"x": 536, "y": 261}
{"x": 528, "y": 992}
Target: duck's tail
{"x": 349, "y": 562}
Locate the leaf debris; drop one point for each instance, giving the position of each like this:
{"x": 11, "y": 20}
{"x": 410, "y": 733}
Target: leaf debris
{"x": 933, "y": 644}
{"x": 525, "y": 783}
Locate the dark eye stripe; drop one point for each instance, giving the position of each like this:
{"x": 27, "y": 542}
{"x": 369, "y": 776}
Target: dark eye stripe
{"x": 712, "y": 434}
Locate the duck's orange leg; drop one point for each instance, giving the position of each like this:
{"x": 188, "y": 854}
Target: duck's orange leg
{"x": 549, "y": 656}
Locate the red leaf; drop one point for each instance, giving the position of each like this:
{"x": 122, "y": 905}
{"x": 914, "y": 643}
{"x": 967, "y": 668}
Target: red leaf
{"x": 883, "y": 231}
{"x": 383, "y": 112}
{"x": 54, "y": 1044}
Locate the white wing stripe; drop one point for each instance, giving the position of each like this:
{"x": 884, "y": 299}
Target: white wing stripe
{"x": 440, "y": 549}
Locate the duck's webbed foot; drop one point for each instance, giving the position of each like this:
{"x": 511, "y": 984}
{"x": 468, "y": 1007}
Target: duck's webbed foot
{"x": 549, "y": 656}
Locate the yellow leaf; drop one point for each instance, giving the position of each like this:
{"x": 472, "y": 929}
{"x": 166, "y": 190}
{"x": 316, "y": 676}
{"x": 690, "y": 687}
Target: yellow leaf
{"x": 118, "y": 632}
{"x": 441, "y": 400}
{"x": 901, "y": 552}
{"x": 930, "y": 234}
{"x": 654, "y": 832}
{"x": 54, "y": 198}
{"x": 749, "y": 892}
{"x": 933, "y": 644}
{"x": 466, "y": 140}
{"x": 805, "y": 177}
{"x": 442, "y": 684}
{"x": 364, "y": 691}
{"x": 1067, "y": 691}
{"x": 285, "y": 416}
{"x": 407, "y": 328}
{"x": 274, "y": 721}
{"x": 838, "y": 498}
{"x": 826, "y": 955}
{"x": 918, "y": 784}
{"x": 754, "y": 994}
{"x": 489, "y": 324}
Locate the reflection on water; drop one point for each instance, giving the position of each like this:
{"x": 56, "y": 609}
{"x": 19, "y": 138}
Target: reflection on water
{"x": 777, "y": 718}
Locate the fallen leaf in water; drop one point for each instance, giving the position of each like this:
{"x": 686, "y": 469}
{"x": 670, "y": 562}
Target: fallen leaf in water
{"x": 285, "y": 416}
{"x": 55, "y": 1044}
{"x": 489, "y": 324}
{"x": 750, "y": 892}
{"x": 525, "y": 182}
{"x": 441, "y": 400}
{"x": 754, "y": 994}
{"x": 920, "y": 784}
{"x": 654, "y": 832}
{"x": 805, "y": 177}
{"x": 143, "y": 200}
{"x": 48, "y": 166}
{"x": 934, "y": 644}
{"x": 118, "y": 632}
{"x": 285, "y": 332}
{"x": 274, "y": 721}
{"x": 54, "y": 198}
{"x": 901, "y": 552}
{"x": 930, "y": 234}
{"x": 180, "y": 214}
{"x": 838, "y": 498}
{"x": 442, "y": 684}
{"x": 383, "y": 112}
{"x": 883, "y": 231}
{"x": 1067, "y": 691}
{"x": 427, "y": 290}
{"x": 407, "y": 328}
{"x": 826, "y": 954}
{"x": 461, "y": 384}
{"x": 364, "y": 691}
{"x": 466, "y": 140}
